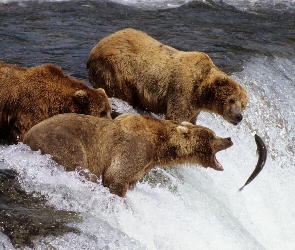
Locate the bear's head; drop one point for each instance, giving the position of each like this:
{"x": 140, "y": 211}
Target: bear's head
{"x": 224, "y": 96}
{"x": 92, "y": 102}
{"x": 199, "y": 145}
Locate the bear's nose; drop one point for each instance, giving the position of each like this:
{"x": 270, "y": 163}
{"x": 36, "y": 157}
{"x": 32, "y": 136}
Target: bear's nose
{"x": 229, "y": 142}
{"x": 239, "y": 117}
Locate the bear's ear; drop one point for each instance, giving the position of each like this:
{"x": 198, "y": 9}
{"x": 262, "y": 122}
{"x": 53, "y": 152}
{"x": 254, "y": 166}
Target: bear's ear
{"x": 182, "y": 129}
{"x": 186, "y": 124}
{"x": 81, "y": 97}
{"x": 101, "y": 89}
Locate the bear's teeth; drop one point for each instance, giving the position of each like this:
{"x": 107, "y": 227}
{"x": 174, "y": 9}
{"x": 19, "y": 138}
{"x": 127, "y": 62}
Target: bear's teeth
{"x": 218, "y": 166}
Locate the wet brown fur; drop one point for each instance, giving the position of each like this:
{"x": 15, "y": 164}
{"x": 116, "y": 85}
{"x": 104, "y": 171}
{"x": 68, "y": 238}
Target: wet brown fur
{"x": 31, "y": 95}
{"x": 123, "y": 150}
{"x": 134, "y": 67}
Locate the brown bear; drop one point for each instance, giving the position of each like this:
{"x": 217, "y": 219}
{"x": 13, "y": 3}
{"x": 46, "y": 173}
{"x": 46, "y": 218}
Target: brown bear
{"x": 125, "y": 149}
{"x": 136, "y": 68}
{"x": 31, "y": 95}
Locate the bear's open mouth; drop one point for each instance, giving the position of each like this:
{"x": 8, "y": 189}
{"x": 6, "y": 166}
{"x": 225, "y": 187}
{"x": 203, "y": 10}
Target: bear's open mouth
{"x": 218, "y": 166}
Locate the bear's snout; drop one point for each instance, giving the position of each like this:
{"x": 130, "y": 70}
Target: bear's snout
{"x": 229, "y": 142}
{"x": 239, "y": 117}
{"x": 235, "y": 118}
{"x": 222, "y": 143}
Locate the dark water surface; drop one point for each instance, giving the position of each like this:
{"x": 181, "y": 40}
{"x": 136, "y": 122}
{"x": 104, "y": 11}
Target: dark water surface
{"x": 64, "y": 32}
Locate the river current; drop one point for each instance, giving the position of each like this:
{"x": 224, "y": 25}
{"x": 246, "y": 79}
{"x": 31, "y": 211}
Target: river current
{"x": 187, "y": 207}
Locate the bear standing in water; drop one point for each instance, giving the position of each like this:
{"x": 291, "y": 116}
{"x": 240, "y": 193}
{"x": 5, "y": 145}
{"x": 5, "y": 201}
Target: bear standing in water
{"x": 124, "y": 150}
{"x": 136, "y": 68}
{"x": 31, "y": 95}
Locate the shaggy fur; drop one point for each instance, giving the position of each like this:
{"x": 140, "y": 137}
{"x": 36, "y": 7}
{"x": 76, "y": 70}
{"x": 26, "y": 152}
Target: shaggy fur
{"x": 31, "y": 95}
{"x": 136, "y": 68}
{"x": 123, "y": 150}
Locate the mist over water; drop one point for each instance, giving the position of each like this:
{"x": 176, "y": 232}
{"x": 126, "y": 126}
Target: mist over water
{"x": 187, "y": 207}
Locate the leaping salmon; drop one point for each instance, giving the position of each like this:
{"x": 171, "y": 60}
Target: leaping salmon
{"x": 261, "y": 160}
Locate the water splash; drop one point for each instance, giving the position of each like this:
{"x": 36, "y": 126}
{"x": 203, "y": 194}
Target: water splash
{"x": 188, "y": 207}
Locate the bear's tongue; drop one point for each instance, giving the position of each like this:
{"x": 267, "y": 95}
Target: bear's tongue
{"x": 218, "y": 166}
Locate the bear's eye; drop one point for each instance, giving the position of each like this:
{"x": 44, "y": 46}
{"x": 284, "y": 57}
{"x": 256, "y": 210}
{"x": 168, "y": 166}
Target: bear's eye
{"x": 212, "y": 138}
{"x": 218, "y": 83}
{"x": 232, "y": 101}
{"x": 103, "y": 114}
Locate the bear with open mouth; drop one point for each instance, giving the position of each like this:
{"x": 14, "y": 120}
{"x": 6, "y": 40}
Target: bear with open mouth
{"x": 125, "y": 149}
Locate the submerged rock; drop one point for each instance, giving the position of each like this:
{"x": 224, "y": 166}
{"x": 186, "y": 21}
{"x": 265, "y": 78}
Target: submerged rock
{"x": 25, "y": 218}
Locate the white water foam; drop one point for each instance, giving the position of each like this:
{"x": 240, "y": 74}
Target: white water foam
{"x": 244, "y": 5}
{"x": 188, "y": 207}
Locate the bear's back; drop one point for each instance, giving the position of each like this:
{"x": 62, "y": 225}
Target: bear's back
{"x": 10, "y": 73}
{"x": 52, "y": 76}
{"x": 129, "y": 42}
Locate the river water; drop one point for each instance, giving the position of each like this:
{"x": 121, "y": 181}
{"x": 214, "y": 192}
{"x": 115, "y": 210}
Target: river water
{"x": 186, "y": 207}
